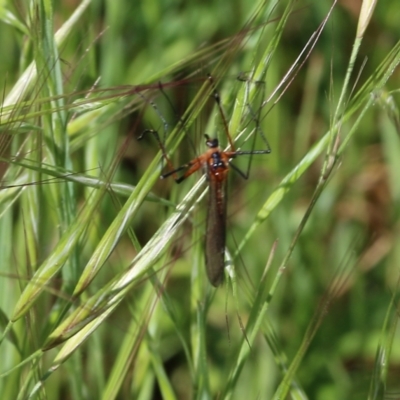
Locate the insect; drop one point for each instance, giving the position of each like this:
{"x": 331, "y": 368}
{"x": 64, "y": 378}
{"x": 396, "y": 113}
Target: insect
{"x": 215, "y": 163}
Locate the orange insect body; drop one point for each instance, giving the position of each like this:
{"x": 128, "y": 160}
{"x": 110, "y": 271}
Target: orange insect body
{"x": 217, "y": 167}
{"x": 215, "y": 162}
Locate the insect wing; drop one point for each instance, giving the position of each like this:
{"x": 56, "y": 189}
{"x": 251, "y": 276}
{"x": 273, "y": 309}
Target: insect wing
{"x": 216, "y": 230}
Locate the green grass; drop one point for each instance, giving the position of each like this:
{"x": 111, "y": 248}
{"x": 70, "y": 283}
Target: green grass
{"x": 103, "y": 287}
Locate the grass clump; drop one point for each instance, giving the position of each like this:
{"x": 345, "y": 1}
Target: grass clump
{"x": 103, "y": 288}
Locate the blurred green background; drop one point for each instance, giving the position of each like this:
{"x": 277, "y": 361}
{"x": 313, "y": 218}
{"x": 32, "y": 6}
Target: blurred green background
{"x": 334, "y": 310}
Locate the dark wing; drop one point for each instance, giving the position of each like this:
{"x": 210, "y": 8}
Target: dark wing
{"x": 216, "y": 230}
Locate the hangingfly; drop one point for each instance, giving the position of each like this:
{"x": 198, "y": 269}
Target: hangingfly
{"x": 215, "y": 163}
